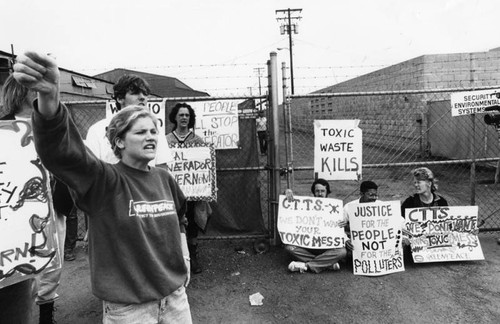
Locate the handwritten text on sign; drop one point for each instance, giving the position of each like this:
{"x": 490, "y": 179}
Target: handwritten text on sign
{"x": 337, "y": 149}
{"x": 311, "y": 222}
{"x": 376, "y": 237}
{"x": 193, "y": 168}
{"x": 440, "y": 234}
{"x": 156, "y": 108}
{"x": 28, "y": 244}
{"x": 217, "y": 122}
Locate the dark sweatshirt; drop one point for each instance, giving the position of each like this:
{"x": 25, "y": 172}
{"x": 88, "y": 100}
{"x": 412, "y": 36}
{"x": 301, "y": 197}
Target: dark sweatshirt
{"x": 135, "y": 217}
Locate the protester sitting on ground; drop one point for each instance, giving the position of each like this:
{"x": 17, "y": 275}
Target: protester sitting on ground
{"x": 183, "y": 118}
{"x": 18, "y": 106}
{"x": 425, "y": 196}
{"x": 315, "y": 260}
{"x": 368, "y": 191}
{"x": 138, "y": 253}
{"x": 425, "y": 191}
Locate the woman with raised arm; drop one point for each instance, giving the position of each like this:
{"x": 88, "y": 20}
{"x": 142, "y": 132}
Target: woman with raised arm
{"x": 138, "y": 254}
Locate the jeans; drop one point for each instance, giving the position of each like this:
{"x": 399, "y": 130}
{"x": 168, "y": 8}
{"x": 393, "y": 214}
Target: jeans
{"x": 171, "y": 309}
{"x": 48, "y": 282}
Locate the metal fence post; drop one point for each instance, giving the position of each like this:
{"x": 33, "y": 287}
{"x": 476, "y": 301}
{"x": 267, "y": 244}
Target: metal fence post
{"x": 274, "y": 170}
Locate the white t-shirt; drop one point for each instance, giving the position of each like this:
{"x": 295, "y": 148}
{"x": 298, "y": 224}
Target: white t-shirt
{"x": 98, "y": 143}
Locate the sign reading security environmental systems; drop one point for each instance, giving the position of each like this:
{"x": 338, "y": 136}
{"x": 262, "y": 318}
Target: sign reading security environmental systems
{"x": 472, "y": 102}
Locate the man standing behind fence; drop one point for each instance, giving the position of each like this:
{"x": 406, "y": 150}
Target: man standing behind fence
{"x": 261, "y": 124}
{"x": 129, "y": 90}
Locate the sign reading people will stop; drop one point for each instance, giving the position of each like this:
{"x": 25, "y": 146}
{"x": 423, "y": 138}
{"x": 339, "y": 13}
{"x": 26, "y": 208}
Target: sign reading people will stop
{"x": 337, "y": 149}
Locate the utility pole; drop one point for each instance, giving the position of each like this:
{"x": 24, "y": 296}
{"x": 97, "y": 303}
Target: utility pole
{"x": 287, "y": 28}
{"x": 259, "y": 70}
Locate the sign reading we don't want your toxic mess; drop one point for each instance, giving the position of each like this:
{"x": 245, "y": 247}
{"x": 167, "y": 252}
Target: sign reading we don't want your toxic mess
{"x": 311, "y": 222}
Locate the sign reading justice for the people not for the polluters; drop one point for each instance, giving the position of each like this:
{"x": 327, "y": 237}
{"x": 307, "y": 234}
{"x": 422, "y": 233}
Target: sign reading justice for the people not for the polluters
{"x": 337, "y": 149}
{"x": 376, "y": 237}
{"x": 311, "y": 222}
{"x": 28, "y": 240}
{"x": 217, "y": 122}
{"x": 440, "y": 234}
{"x": 471, "y": 102}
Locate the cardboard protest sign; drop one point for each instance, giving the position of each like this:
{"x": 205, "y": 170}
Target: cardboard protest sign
{"x": 217, "y": 122}
{"x": 156, "y": 108}
{"x": 439, "y": 234}
{"x": 311, "y": 222}
{"x": 193, "y": 168}
{"x": 337, "y": 149}
{"x": 28, "y": 240}
{"x": 376, "y": 237}
{"x": 472, "y": 102}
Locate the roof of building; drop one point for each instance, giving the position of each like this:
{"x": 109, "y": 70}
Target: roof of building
{"x": 163, "y": 86}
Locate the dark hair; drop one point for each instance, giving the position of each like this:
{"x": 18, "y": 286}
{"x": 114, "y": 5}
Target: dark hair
{"x": 322, "y": 182}
{"x": 122, "y": 122}
{"x": 14, "y": 97}
{"x": 367, "y": 185}
{"x": 129, "y": 82}
{"x": 175, "y": 110}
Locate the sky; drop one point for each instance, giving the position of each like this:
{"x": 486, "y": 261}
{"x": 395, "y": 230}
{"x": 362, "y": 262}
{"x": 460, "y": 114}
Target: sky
{"x": 219, "y": 46}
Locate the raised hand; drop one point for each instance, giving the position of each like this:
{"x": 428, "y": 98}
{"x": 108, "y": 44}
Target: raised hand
{"x": 40, "y": 73}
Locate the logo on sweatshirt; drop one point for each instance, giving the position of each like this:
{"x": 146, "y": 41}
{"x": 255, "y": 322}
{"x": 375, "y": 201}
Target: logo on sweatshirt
{"x": 144, "y": 209}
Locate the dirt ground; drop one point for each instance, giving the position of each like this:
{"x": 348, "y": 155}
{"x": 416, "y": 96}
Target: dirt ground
{"x": 453, "y": 292}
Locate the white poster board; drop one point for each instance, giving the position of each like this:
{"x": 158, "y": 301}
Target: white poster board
{"x": 439, "y": 234}
{"x": 193, "y": 168}
{"x": 28, "y": 240}
{"x": 472, "y": 102}
{"x": 311, "y": 222}
{"x": 157, "y": 108}
{"x": 337, "y": 149}
{"x": 376, "y": 237}
{"x": 217, "y": 122}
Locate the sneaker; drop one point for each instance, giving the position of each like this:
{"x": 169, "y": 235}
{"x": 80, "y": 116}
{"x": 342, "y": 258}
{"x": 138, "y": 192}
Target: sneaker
{"x": 336, "y": 267}
{"x": 69, "y": 255}
{"x": 295, "y": 266}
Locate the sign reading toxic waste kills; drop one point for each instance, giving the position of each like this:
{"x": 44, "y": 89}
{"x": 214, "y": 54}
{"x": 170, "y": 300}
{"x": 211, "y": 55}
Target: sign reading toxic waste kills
{"x": 439, "y": 234}
{"x": 217, "y": 122}
{"x": 472, "y": 102}
{"x": 156, "y": 108}
{"x": 28, "y": 240}
{"x": 311, "y": 222}
{"x": 193, "y": 168}
{"x": 376, "y": 237}
{"x": 337, "y": 149}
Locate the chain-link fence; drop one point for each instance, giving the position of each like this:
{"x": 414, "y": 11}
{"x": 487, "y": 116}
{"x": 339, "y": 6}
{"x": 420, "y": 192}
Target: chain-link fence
{"x": 403, "y": 130}
{"x": 241, "y": 210}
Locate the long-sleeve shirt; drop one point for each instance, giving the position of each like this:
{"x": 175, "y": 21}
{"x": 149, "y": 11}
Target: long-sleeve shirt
{"x": 135, "y": 217}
